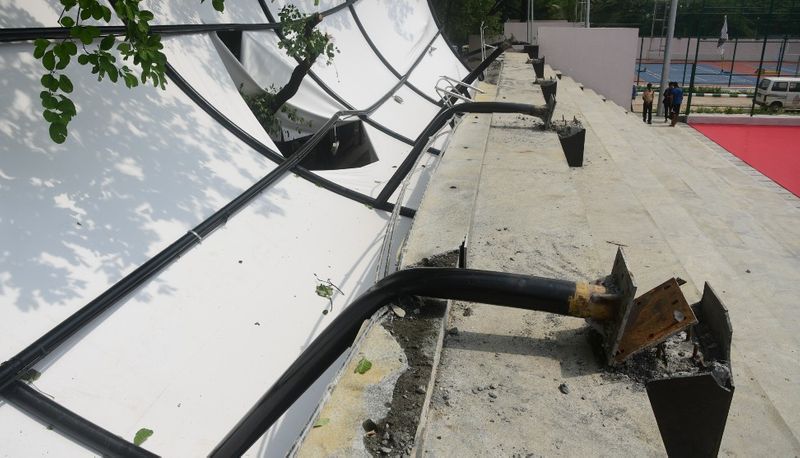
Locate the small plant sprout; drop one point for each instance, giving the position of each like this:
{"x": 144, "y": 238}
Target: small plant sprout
{"x": 325, "y": 288}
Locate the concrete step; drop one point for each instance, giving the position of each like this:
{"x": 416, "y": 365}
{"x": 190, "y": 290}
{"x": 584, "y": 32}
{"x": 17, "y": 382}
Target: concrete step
{"x": 713, "y": 240}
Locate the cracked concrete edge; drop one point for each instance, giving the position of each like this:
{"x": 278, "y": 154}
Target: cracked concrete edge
{"x": 366, "y": 330}
{"x": 419, "y": 438}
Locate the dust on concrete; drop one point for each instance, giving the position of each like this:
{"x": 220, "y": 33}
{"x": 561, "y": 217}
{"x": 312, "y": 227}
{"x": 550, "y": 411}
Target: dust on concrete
{"x": 417, "y": 333}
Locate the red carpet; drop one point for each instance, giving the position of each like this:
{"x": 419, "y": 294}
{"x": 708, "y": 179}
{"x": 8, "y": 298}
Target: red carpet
{"x": 772, "y": 150}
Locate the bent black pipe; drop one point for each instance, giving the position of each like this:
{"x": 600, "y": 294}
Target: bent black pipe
{"x": 497, "y": 288}
{"x": 70, "y": 424}
{"x": 473, "y": 75}
{"x": 440, "y": 120}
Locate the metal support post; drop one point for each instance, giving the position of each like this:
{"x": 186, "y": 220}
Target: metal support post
{"x": 673, "y": 11}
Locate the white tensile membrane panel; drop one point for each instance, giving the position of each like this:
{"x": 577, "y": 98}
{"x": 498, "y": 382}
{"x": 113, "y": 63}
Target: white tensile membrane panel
{"x": 191, "y": 351}
{"x": 196, "y": 59}
{"x": 406, "y": 111}
{"x": 140, "y": 168}
{"x": 438, "y": 61}
{"x": 400, "y": 29}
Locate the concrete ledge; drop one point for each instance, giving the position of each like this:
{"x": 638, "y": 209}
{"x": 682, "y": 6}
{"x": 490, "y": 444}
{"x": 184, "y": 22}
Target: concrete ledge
{"x": 762, "y": 120}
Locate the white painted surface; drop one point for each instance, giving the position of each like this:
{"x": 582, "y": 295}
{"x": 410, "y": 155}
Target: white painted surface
{"x": 196, "y": 59}
{"x": 191, "y": 351}
{"x": 356, "y": 74}
{"x": 439, "y": 60}
{"x": 409, "y": 115}
{"x": 139, "y": 169}
{"x": 520, "y": 30}
{"x": 600, "y": 58}
{"x": 400, "y": 29}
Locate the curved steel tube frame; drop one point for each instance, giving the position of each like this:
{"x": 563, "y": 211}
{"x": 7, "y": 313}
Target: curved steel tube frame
{"x": 497, "y": 288}
{"x": 545, "y": 112}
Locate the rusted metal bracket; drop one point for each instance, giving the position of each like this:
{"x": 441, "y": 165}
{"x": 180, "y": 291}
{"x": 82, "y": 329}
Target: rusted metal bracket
{"x": 646, "y": 321}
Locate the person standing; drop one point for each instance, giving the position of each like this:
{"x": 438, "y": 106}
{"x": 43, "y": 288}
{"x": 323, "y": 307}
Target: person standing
{"x": 667, "y": 102}
{"x": 647, "y": 107}
{"x": 633, "y": 98}
{"x": 677, "y": 98}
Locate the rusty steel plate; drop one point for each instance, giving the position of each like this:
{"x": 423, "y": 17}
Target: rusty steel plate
{"x": 652, "y": 318}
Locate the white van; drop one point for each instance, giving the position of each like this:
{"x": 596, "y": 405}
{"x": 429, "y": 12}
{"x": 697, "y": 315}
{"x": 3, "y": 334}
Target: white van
{"x": 779, "y": 92}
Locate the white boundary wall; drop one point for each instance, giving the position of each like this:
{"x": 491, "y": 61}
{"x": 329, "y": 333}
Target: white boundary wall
{"x": 519, "y": 29}
{"x": 600, "y": 58}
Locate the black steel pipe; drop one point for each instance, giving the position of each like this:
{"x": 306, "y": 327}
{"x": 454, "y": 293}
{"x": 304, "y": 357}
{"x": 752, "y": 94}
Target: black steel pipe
{"x": 440, "y": 120}
{"x": 473, "y": 75}
{"x": 70, "y": 424}
{"x": 498, "y": 288}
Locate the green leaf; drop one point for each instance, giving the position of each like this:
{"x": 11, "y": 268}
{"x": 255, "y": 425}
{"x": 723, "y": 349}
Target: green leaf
{"x": 97, "y": 12}
{"x": 64, "y": 84}
{"x": 58, "y": 132}
{"x": 63, "y": 61}
{"x": 67, "y": 21}
{"x": 70, "y": 47}
{"x": 363, "y": 366}
{"x": 324, "y": 290}
{"x": 66, "y": 106}
{"x": 145, "y": 15}
{"x": 49, "y": 60}
{"x": 83, "y": 59}
{"x": 48, "y": 101}
{"x": 142, "y": 436}
{"x": 51, "y": 116}
{"x": 107, "y": 42}
{"x": 112, "y": 73}
{"x": 31, "y": 375}
{"x": 322, "y": 422}
{"x": 40, "y": 47}
{"x": 49, "y": 81}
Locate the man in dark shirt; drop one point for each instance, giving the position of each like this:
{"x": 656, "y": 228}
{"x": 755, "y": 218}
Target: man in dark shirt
{"x": 677, "y": 98}
{"x": 667, "y": 102}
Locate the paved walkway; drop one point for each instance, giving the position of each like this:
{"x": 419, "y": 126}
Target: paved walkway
{"x": 680, "y": 205}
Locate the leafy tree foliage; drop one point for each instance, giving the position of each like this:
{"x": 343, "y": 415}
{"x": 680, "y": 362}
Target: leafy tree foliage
{"x": 746, "y": 18}
{"x": 462, "y": 18}
{"x": 137, "y": 46}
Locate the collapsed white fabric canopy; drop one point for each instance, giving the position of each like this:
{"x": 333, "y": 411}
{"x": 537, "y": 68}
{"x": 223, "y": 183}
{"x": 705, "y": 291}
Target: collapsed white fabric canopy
{"x": 191, "y": 347}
